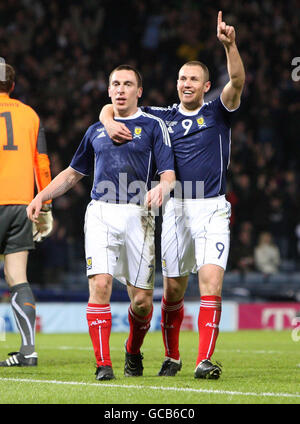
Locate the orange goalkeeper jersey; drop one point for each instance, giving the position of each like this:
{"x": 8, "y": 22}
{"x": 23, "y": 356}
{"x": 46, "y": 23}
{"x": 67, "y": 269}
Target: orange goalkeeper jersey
{"x": 23, "y": 153}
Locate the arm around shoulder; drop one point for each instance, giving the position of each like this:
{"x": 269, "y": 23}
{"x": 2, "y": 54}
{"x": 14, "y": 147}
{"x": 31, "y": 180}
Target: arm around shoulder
{"x": 117, "y": 131}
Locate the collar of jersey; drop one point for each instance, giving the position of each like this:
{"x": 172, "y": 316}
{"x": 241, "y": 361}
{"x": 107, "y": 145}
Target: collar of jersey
{"x": 2, "y": 94}
{"x": 194, "y": 112}
{"x": 135, "y": 115}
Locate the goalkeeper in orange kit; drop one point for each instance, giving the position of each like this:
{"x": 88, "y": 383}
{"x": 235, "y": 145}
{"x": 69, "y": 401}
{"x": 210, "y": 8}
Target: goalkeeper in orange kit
{"x": 24, "y": 160}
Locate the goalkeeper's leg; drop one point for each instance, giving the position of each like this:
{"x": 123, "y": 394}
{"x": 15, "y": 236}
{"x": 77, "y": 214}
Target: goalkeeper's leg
{"x": 22, "y": 299}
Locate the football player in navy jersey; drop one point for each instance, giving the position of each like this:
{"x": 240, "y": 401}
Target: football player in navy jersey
{"x": 195, "y": 229}
{"x": 119, "y": 221}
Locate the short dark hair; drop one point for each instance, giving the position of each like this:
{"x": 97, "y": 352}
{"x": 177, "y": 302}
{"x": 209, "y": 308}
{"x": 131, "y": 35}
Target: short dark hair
{"x": 128, "y": 68}
{"x": 202, "y": 65}
{"x": 6, "y": 84}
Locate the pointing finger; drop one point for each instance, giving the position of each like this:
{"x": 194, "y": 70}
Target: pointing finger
{"x": 219, "y": 17}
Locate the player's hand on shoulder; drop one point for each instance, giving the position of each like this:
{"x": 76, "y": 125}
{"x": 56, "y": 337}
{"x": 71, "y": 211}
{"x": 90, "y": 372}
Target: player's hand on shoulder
{"x": 118, "y": 131}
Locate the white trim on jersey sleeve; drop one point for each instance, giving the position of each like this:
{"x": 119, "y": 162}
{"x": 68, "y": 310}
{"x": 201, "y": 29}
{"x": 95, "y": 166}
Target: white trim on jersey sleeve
{"x": 81, "y": 173}
{"x": 165, "y": 170}
{"x": 165, "y": 132}
{"x": 228, "y": 110}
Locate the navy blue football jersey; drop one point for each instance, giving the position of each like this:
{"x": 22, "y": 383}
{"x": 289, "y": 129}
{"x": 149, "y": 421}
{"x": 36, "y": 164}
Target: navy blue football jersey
{"x": 123, "y": 172}
{"x": 201, "y": 144}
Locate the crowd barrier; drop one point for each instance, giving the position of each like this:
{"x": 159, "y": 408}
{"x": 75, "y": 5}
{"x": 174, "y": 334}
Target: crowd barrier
{"x": 60, "y": 317}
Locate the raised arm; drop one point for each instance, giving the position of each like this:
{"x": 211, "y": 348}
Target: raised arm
{"x": 117, "y": 131}
{"x": 58, "y": 186}
{"x": 231, "y": 94}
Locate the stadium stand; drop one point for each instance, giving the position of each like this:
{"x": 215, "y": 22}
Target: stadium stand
{"x": 63, "y": 53}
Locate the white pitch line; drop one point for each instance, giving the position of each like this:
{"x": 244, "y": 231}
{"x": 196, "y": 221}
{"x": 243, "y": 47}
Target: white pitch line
{"x": 174, "y": 389}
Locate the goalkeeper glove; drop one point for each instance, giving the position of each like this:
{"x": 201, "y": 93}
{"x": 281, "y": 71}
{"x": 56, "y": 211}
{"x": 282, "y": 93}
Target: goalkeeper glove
{"x": 43, "y": 227}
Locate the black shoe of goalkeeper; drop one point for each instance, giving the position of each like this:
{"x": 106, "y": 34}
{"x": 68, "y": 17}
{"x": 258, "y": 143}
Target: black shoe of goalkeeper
{"x": 17, "y": 359}
{"x": 206, "y": 369}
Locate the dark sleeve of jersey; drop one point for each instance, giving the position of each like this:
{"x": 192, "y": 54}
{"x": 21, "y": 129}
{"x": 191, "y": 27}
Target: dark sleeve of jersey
{"x": 41, "y": 140}
{"x": 83, "y": 159}
{"x": 225, "y": 115}
{"x": 162, "y": 150}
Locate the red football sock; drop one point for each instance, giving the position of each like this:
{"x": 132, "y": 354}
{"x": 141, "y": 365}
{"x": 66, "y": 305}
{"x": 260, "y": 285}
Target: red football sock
{"x": 139, "y": 327}
{"x": 208, "y": 326}
{"x": 99, "y": 322}
{"x": 171, "y": 318}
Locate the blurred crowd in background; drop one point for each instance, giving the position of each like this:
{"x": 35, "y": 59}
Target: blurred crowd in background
{"x": 63, "y": 53}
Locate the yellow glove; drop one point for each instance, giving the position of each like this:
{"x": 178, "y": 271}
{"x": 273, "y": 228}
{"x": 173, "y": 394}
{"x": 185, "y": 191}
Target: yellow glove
{"x": 44, "y": 227}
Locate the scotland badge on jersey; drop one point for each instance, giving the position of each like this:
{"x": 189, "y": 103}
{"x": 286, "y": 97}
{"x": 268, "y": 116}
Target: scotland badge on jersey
{"x": 137, "y": 132}
{"x": 201, "y": 123}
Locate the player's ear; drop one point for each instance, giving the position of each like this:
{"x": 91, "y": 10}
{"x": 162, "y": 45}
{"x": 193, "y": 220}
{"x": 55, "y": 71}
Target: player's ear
{"x": 140, "y": 92}
{"x": 207, "y": 86}
{"x": 12, "y": 87}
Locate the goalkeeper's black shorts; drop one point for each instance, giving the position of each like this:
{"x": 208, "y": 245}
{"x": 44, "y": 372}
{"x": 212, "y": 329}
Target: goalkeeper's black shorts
{"x": 15, "y": 229}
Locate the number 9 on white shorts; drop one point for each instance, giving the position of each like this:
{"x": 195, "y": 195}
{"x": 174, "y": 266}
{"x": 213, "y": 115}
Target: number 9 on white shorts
{"x": 195, "y": 232}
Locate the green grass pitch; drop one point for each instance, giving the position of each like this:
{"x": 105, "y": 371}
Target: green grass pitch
{"x": 259, "y": 367}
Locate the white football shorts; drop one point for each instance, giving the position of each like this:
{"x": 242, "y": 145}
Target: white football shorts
{"x": 195, "y": 232}
{"x": 119, "y": 240}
